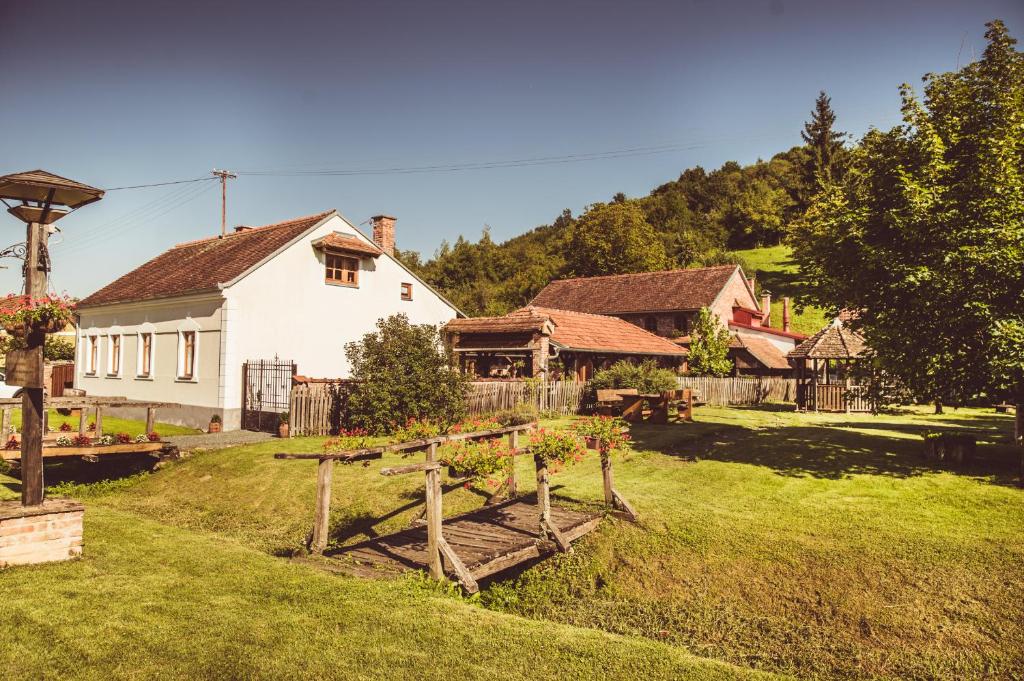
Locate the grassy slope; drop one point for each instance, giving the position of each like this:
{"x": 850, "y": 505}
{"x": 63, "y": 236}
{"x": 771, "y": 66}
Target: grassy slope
{"x": 778, "y": 274}
{"x": 814, "y": 544}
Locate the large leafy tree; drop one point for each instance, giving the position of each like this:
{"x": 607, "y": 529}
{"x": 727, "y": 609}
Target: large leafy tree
{"x": 709, "y": 346}
{"x": 614, "y": 238}
{"x": 925, "y": 234}
{"x": 403, "y": 371}
{"x": 825, "y": 143}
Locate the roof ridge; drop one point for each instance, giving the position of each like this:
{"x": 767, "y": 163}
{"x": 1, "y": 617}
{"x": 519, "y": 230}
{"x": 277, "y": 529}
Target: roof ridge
{"x": 261, "y": 228}
{"x": 581, "y": 314}
{"x": 637, "y": 274}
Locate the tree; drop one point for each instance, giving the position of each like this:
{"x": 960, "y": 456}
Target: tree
{"x": 403, "y": 371}
{"x": 709, "y": 346}
{"x": 614, "y": 239}
{"x": 925, "y": 235}
{"x": 56, "y": 349}
{"x": 826, "y": 144}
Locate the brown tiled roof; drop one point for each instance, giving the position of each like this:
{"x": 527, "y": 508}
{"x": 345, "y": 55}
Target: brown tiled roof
{"x": 762, "y": 350}
{"x": 512, "y": 323}
{"x": 35, "y": 185}
{"x": 689, "y": 289}
{"x": 336, "y": 241}
{"x": 201, "y": 265}
{"x": 583, "y": 331}
{"x": 835, "y": 341}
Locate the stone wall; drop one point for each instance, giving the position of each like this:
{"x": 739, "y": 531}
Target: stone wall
{"x": 40, "y": 534}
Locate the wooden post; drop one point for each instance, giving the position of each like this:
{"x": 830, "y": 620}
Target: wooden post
{"x": 6, "y": 424}
{"x": 688, "y": 399}
{"x": 32, "y": 408}
{"x": 83, "y": 418}
{"x": 433, "y": 494}
{"x": 513, "y": 442}
{"x": 606, "y": 473}
{"x": 99, "y": 423}
{"x": 543, "y": 491}
{"x": 150, "y": 419}
{"x": 322, "y": 521}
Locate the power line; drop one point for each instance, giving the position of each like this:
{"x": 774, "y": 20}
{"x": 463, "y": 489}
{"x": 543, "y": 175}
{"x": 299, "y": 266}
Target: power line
{"x": 158, "y": 184}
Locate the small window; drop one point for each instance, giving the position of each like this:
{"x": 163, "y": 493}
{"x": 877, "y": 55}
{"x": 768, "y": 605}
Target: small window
{"x": 93, "y": 347}
{"x": 145, "y": 354}
{"x": 188, "y": 355}
{"x": 651, "y": 324}
{"x": 406, "y": 291}
{"x": 682, "y": 323}
{"x": 114, "y": 362}
{"x": 341, "y": 269}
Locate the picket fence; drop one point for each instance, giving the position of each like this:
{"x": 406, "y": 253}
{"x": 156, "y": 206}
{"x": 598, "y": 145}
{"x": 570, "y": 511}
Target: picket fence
{"x": 318, "y": 408}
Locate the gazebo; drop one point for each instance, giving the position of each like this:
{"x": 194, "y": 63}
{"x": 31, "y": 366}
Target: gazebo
{"x": 825, "y": 365}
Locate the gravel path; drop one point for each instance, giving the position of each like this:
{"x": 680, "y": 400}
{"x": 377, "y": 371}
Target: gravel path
{"x": 218, "y": 440}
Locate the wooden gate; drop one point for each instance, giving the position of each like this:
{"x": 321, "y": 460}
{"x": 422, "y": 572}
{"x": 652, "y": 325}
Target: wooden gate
{"x": 266, "y": 390}
{"x": 62, "y": 376}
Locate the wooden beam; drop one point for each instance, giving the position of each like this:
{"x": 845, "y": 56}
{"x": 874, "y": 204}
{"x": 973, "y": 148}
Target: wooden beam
{"x": 552, "y": 531}
{"x": 434, "y": 516}
{"x": 543, "y": 491}
{"x": 622, "y": 504}
{"x": 513, "y": 442}
{"x": 76, "y": 402}
{"x": 458, "y": 567}
{"x": 322, "y": 520}
{"x": 345, "y": 458}
{"x": 606, "y": 473}
{"x": 411, "y": 468}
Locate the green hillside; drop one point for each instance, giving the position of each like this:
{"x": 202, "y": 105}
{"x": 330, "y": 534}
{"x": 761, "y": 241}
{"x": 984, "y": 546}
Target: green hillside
{"x": 777, "y": 274}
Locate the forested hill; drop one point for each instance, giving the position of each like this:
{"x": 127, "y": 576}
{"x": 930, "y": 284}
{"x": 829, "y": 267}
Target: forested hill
{"x": 698, "y": 219}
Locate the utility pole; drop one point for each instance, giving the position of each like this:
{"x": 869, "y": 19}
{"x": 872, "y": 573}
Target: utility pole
{"x": 224, "y": 176}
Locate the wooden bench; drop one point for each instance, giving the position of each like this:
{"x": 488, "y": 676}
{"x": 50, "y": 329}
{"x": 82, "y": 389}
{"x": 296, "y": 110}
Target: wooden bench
{"x": 1005, "y": 408}
{"x": 609, "y": 400}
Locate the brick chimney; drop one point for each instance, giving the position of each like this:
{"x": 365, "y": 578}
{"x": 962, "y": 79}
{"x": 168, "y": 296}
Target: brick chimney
{"x": 766, "y": 307}
{"x": 785, "y": 314}
{"x": 384, "y": 233}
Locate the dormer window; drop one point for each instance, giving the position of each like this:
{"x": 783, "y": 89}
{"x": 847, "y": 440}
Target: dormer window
{"x": 341, "y": 270}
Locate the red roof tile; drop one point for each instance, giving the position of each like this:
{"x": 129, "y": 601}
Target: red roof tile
{"x": 835, "y": 341}
{"x": 689, "y": 289}
{"x": 336, "y": 241}
{"x": 762, "y": 350}
{"x": 202, "y": 265}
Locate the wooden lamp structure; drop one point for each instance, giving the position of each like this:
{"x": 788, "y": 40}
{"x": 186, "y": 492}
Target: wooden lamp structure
{"x": 42, "y": 199}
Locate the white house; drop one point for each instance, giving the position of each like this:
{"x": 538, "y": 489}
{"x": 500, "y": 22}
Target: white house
{"x": 179, "y": 327}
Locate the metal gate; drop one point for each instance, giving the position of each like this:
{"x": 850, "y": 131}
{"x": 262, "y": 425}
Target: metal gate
{"x": 266, "y": 389}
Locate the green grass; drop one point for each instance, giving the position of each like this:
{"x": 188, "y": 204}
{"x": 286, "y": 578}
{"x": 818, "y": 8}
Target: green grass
{"x": 815, "y": 545}
{"x": 777, "y": 273}
{"x": 110, "y": 425}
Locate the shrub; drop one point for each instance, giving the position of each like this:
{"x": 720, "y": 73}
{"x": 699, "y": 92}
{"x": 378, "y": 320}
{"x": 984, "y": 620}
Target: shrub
{"x": 475, "y": 425}
{"x": 65, "y": 441}
{"x": 519, "y": 416}
{"x": 645, "y": 377}
{"x": 607, "y": 430}
{"x": 82, "y": 440}
{"x": 215, "y": 418}
{"x": 105, "y": 440}
{"x": 403, "y": 371}
{"x": 486, "y": 458}
{"x": 283, "y": 418}
{"x": 92, "y": 426}
{"x": 65, "y": 427}
{"x": 153, "y": 436}
{"x": 416, "y": 429}
{"x": 12, "y": 443}
{"x": 123, "y": 438}
{"x": 140, "y": 438}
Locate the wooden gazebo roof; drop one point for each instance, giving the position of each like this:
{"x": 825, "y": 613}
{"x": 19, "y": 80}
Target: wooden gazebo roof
{"x": 835, "y": 341}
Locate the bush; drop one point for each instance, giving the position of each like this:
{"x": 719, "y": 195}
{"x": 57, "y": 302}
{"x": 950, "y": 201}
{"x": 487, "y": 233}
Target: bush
{"x": 645, "y": 377}
{"x": 519, "y": 416}
{"x": 403, "y": 371}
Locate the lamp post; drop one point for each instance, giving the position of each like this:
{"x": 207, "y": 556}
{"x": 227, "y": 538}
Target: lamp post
{"x": 44, "y": 198}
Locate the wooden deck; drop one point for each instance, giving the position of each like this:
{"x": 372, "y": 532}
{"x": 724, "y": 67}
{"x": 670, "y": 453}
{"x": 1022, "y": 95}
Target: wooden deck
{"x": 487, "y": 540}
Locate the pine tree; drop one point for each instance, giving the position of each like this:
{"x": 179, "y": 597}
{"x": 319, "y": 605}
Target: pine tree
{"x": 826, "y": 144}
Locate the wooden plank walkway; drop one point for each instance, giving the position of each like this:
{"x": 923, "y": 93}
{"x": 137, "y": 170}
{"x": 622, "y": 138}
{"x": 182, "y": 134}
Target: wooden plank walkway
{"x": 487, "y": 540}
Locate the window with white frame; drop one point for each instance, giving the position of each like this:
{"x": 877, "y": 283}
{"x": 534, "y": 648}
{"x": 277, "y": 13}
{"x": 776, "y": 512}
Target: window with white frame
{"x": 145, "y": 361}
{"x": 114, "y": 354}
{"x": 92, "y": 359}
{"x": 187, "y": 349}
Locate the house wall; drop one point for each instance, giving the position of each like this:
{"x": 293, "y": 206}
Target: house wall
{"x": 734, "y": 289}
{"x": 285, "y": 309}
{"x": 199, "y": 397}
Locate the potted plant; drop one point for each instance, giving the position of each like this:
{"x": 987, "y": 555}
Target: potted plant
{"x": 48, "y": 314}
{"x": 603, "y": 433}
{"x": 282, "y": 425}
{"x": 215, "y": 422}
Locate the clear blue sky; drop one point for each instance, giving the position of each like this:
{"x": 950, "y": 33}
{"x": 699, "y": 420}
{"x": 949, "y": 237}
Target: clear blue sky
{"x": 119, "y": 93}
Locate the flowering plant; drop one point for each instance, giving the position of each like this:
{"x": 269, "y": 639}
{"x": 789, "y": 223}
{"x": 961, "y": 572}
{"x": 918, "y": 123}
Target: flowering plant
{"x": 140, "y": 438}
{"x": 92, "y": 426}
{"x": 557, "y": 448}
{"x": 65, "y": 427}
{"x": 345, "y": 443}
{"x": 606, "y": 433}
{"x": 106, "y": 440}
{"x": 153, "y": 436}
{"x": 12, "y": 443}
{"x": 485, "y": 458}
{"x": 50, "y": 313}
{"x": 65, "y": 441}
{"x": 82, "y": 441}
{"x": 475, "y": 425}
{"x": 416, "y": 429}
{"x": 123, "y": 438}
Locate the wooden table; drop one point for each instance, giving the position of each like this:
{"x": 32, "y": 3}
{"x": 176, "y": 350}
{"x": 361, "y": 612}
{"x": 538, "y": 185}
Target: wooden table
{"x": 633, "y": 407}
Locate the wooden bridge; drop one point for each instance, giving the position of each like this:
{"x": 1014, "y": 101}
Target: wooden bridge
{"x": 470, "y": 546}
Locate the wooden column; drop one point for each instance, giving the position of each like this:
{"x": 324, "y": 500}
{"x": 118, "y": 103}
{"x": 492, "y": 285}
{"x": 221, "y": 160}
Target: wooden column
{"x": 99, "y": 423}
{"x": 6, "y": 424}
{"x": 36, "y": 266}
{"x": 322, "y": 521}
{"x": 688, "y": 400}
{"x": 83, "y": 418}
{"x": 513, "y": 442}
{"x": 150, "y": 419}
{"x": 434, "y": 516}
{"x": 543, "y": 490}
{"x": 606, "y": 473}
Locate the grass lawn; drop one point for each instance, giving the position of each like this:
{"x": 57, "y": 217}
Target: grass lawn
{"x": 814, "y": 545}
{"x": 110, "y": 425}
{"x": 777, "y": 273}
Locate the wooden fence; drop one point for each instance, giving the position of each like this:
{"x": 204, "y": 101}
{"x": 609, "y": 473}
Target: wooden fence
{"x": 319, "y": 408}
{"x": 741, "y": 389}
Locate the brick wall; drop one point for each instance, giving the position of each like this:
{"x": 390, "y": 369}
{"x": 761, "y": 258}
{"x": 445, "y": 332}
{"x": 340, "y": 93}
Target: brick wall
{"x": 40, "y": 534}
